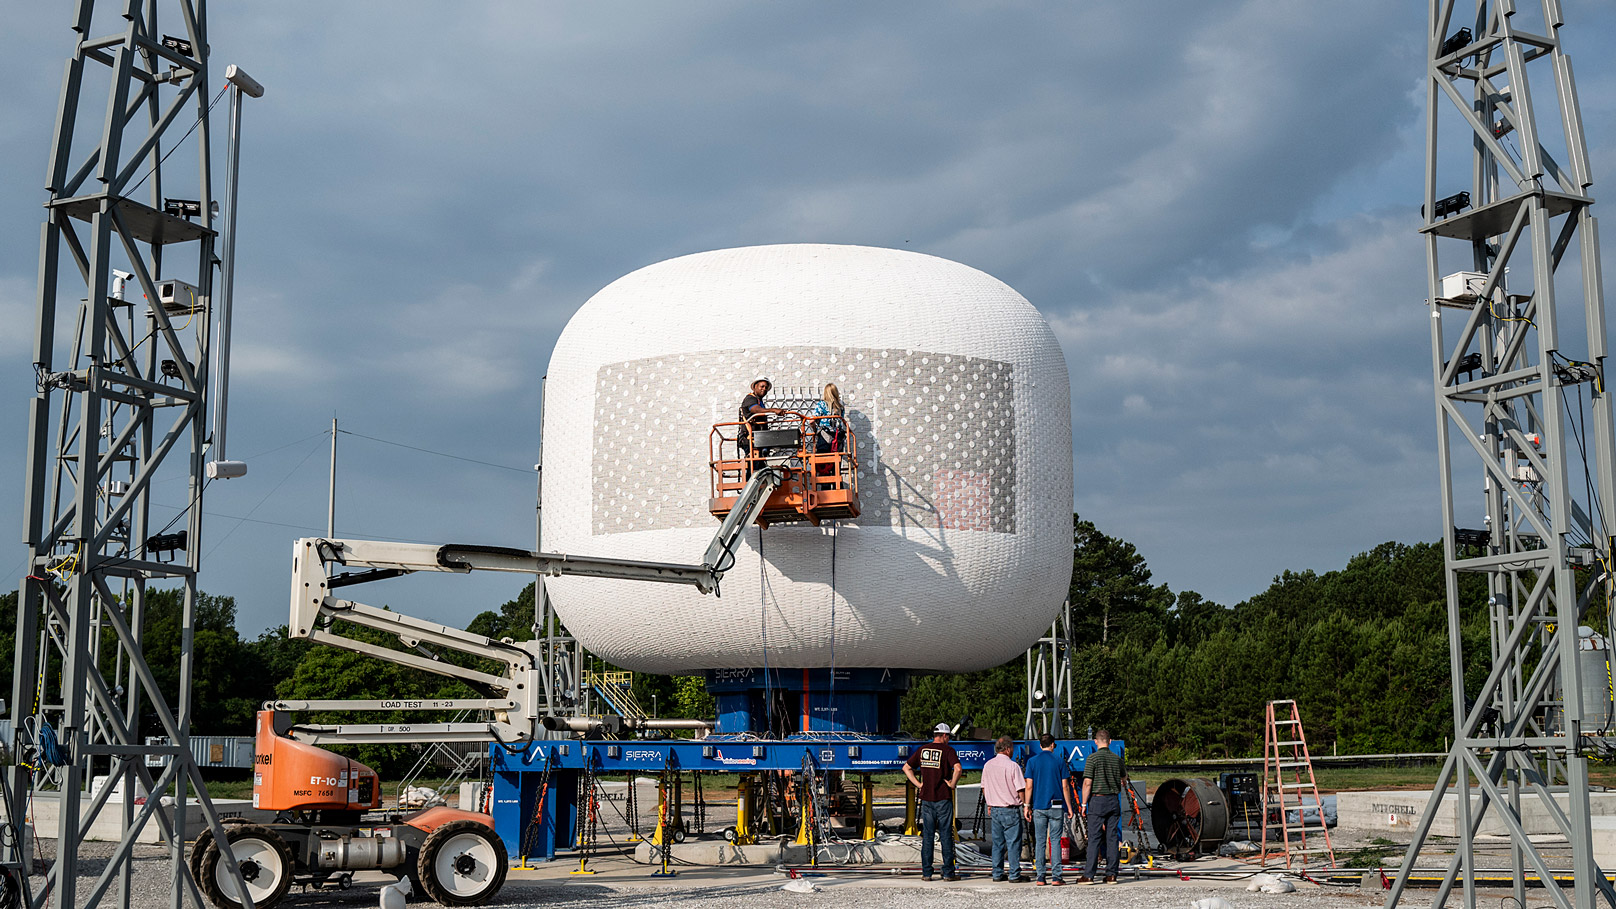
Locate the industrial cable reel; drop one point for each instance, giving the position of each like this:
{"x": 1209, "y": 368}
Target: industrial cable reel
{"x": 1189, "y": 817}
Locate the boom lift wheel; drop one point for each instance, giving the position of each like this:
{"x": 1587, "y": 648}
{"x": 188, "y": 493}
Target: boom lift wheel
{"x": 264, "y": 860}
{"x": 203, "y": 841}
{"x": 462, "y": 864}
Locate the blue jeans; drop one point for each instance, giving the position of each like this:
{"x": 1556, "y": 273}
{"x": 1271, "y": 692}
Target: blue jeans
{"x": 1047, "y": 826}
{"x": 1105, "y": 811}
{"x": 938, "y": 818}
{"x": 1005, "y": 828}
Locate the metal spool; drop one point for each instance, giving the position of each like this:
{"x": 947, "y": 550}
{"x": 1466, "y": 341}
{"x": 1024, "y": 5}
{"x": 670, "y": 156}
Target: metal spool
{"x": 1189, "y": 816}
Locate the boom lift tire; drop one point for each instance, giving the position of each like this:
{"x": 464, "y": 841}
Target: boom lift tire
{"x": 199, "y": 848}
{"x": 462, "y": 863}
{"x": 265, "y": 862}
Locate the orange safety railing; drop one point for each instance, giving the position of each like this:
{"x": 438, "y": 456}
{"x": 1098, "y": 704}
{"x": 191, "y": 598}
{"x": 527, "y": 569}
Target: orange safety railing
{"x": 818, "y": 484}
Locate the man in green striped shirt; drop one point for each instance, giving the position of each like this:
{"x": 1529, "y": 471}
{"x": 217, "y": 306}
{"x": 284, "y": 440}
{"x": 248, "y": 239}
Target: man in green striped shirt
{"x": 1102, "y": 788}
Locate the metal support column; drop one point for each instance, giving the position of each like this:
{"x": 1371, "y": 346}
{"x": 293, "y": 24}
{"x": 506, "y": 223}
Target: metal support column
{"x": 1524, "y": 432}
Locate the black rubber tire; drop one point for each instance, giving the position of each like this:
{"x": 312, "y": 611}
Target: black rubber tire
{"x": 264, "y": 849}
{"x": 200, "y": 846}
{"x": 462, "y": 863}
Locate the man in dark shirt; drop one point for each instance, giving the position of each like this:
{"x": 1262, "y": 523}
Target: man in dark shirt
{"x": 1102, "y": 788}
{"x": 940, "y": 771}
{"x": 754, "y": 414}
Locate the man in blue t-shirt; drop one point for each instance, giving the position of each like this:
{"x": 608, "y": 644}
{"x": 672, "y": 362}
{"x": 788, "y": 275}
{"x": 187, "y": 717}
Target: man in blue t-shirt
{"x": 1047, "y": 793}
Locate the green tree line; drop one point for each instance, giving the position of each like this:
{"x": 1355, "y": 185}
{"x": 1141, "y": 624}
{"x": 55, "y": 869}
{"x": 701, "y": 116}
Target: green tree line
{"x": 1363, "y": 650}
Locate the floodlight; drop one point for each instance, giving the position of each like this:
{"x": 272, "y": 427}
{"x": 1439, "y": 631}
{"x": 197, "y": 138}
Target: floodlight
{"x": 1458, "y": 39}
{"x": 182, "y": 208}
{"x": 1452, "y": 205}
{"x": 238, "y": 77}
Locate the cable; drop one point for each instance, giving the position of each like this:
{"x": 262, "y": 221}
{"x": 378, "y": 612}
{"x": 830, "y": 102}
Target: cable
{"x": 114, "y": 563}
{"x": 266, "y": 498}
{"x": 50, "y": 751}
{"x": 319, "y": 435}
{"x": 181, "y": 141}
{"x": 763, "y": 601}
{"x": 441, "y": 454}
{"x": 833, "y": 528}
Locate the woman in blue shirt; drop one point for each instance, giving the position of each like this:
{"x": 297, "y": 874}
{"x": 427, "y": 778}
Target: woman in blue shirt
{"x": 829, "y": 432}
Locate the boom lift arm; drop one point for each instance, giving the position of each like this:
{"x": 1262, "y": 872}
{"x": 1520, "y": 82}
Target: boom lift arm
{"x": 321, "y": 566}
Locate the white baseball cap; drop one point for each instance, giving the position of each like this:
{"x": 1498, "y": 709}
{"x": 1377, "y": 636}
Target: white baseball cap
{"x": 942, "y": 729}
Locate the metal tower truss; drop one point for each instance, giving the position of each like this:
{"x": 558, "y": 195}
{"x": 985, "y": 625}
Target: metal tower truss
{"x": 121, "y": 356}
{"x": 1049, "y": 680}
{"x": 1516, "y": 374}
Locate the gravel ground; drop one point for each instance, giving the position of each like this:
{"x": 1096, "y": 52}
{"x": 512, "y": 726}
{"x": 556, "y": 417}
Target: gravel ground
{"x": 622, "y": 884}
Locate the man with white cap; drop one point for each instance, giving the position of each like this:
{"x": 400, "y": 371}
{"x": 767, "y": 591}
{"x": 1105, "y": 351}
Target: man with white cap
{"x": 939, "y": 773}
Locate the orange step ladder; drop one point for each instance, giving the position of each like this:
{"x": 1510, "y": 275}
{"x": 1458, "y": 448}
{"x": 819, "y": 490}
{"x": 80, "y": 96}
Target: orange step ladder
{"x": 1287, "y": 779}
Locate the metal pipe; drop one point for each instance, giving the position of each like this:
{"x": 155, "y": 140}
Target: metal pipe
{"x": 582, "y": 724}
{"x": 705, "y": 727}
{"x": 219, "y": 466}
{"x": 331, "y": 493}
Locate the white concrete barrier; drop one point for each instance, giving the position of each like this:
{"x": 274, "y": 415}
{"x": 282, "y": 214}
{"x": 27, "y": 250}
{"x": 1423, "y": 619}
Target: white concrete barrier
{"x": 1401, "y": 810}
{"x": 45, "y": 816}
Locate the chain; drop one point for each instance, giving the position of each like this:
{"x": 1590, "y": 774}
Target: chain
{"x": 531, "y": 834}
{"x": 700, "y": 802}
{"x": 632, "y": 806}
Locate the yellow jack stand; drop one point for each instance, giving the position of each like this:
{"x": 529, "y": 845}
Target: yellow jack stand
{"x": 743, "y": 812}
{"x": 805, "y": 830}
{"x": 867, "y": 830}
{"x": 677, "y": 814}
{"x": 663, "y": 835}
{"x": 911, "y": 810}
{"x": 663, "y": 838}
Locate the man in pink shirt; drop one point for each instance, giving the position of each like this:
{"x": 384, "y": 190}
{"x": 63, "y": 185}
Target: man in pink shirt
{"x": 1002, "y": 786}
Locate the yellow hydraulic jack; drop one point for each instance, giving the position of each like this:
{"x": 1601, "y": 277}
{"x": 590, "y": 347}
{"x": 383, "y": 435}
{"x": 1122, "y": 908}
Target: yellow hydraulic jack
{"x": 806, "y": 829}
{"x": 663, "y": 838}
{"x": 911, "y": 813}
{"x": 664, "y": 833}
{"x": 743, "y": 811}
{"x": 867, "y": 829}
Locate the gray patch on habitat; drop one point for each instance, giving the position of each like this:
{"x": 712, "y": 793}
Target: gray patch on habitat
{"x": 936, "y": 433}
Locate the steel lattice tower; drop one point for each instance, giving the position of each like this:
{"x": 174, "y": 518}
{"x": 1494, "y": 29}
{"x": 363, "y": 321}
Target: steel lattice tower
{"x": 122, "y": 380}
{"x": 1514, "y": 368}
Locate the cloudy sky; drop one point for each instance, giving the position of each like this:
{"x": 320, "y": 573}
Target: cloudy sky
{"x": 1213, "y": 203}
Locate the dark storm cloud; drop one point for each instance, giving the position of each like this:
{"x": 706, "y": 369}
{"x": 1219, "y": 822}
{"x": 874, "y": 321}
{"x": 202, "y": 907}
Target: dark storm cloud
{"x": 1212, "y": 202}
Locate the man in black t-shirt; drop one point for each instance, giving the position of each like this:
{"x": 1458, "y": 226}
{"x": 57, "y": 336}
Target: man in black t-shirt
{"x": 940, "y": 773}
{"x": 754, "y": 413}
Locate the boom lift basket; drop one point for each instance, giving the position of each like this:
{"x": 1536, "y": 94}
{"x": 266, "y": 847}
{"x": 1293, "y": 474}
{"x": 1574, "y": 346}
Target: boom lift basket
{"x": 818, "y": 485}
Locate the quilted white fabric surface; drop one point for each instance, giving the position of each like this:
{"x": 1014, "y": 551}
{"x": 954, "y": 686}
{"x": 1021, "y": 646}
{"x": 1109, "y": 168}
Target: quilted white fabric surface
{"x": 956, "y": 391}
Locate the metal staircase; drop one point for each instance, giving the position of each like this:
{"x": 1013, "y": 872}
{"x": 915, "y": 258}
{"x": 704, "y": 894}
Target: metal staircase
{"x": 617, "y": 690}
